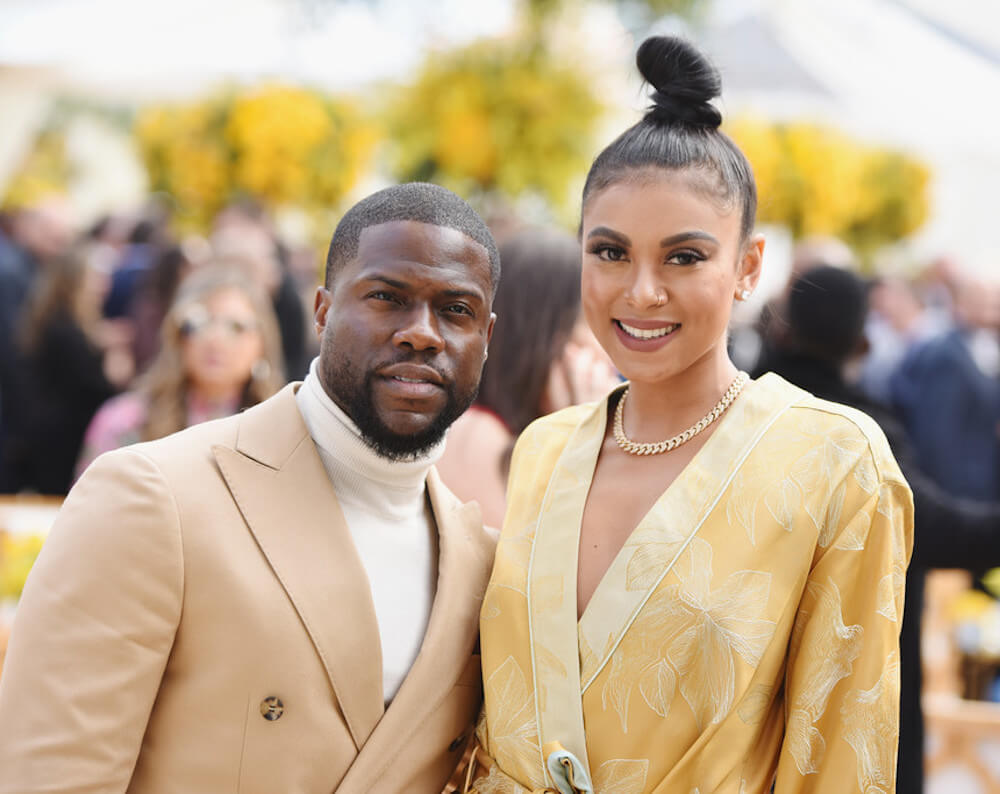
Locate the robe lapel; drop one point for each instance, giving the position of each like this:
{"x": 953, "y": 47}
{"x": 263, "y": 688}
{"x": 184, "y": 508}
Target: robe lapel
{"x": 552, "y": 575}
{"x": 278, "y": 481}
{"x": 465, "y": 558}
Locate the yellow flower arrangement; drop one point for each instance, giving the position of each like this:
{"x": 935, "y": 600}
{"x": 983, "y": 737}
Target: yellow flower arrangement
{"x": 281, "y": 144}
{"x": 45, "y": 171}
{"x": 17, "y": 555}
{"x": 818, "y": 181}
{"x": 495, "y": 117}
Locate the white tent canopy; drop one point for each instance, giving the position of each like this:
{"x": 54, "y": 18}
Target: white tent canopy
{"x": 888, "y": 72}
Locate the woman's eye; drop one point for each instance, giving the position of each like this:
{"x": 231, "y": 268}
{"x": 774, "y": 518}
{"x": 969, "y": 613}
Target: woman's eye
{"x": 609, "y": 253}
{"x": 685, "y": 258}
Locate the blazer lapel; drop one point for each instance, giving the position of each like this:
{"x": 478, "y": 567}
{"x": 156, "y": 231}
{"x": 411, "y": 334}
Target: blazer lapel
{"x": 465, "y": 559}
{"x": 279, "y": 484}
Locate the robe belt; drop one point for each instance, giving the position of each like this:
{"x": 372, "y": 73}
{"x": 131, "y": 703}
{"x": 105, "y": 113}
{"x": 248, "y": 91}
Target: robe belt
{"x": 568, "y": 774}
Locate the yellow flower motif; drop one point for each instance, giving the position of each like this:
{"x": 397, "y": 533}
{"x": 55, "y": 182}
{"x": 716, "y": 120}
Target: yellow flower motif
{"x": 720, "y": 623}
{"x": 513, "y": 731}
{"x": 833, "y": 647}
{"x": 699, "y": 630}
{"x": 621, "y": 776}
{"x": 872, "y": 736}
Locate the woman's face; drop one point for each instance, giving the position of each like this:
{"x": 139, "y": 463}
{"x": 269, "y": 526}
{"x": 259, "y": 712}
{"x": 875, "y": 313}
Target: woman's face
{"x": 662, "y": 264}
{"x": 221, "y": 341}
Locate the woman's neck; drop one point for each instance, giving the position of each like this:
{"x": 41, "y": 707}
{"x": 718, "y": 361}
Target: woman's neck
{"x": 662, "y": 409}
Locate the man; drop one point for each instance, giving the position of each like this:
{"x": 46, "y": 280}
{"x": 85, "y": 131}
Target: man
{"x": 827, "y": 308}
{"x": 286, "y": 600}
{"x": 948, "y": 396}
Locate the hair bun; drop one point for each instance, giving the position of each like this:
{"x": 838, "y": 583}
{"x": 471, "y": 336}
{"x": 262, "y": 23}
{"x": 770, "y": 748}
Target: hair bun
{"x": 684, "y": 79}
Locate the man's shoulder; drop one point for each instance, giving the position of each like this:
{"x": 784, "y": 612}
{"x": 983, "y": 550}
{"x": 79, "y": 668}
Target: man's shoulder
{"x": 184, "y": 452}
{"x": 193, "y": 442}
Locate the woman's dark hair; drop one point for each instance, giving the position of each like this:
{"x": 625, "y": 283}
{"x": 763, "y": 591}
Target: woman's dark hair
{"x": 54, "y": 298}
{"x": 537, "y": 304}
{"x": 680, "y": 131}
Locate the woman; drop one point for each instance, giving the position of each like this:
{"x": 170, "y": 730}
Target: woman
{"x": 706, "y": 573}
{"x": 542, "y": 358}
{"x": 72, "y": 362}
{"x": 220, "y": 353}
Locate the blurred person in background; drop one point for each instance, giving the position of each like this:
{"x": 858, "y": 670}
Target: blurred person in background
{"x": 242, "y": 232}
{"x": 73, "y": 361}
{"x": 947, "y": 395}
{"x": 29, "y": 237}
{"x": 542, "y": 358}
{"x": 147, "y": 237}
{"x": 897, "y": 322}
{"x": 221, "y": 353}
{"x": 827, "y": 309}
{"x": 153, "y": 299}
{"x": 771, "y": 327}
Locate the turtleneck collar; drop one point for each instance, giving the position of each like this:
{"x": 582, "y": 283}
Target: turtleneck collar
{"x": 352, "y": 464}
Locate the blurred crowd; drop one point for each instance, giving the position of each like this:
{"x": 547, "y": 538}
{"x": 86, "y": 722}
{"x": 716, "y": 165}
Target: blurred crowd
{"x": 123, "y": 332}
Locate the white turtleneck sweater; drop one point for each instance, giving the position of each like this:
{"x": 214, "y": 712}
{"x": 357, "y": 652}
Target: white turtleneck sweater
{"x": 386, "y": 508}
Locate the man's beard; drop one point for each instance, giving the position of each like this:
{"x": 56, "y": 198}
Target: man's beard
{"x": 356, "y": 397}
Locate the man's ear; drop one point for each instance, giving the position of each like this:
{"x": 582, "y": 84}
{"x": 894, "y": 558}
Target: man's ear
{"x": 320, "y": 308}
{"x": 489, "y": 328}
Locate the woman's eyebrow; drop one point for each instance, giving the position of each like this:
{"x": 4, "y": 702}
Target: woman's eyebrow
{"x": 604, "y": 231}
{"x": 666, "y": 242}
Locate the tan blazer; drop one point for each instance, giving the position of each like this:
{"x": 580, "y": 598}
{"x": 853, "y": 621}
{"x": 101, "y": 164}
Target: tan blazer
{"x": 199, "y": 621}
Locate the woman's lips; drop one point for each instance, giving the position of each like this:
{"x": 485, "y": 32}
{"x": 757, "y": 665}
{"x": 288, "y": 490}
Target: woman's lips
{"x": 645, "y": 335}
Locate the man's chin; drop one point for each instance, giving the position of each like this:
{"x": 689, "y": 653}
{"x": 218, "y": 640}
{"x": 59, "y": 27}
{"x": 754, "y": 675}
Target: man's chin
{"x": 404, "y": 440}
{"x": 401, "y": 447}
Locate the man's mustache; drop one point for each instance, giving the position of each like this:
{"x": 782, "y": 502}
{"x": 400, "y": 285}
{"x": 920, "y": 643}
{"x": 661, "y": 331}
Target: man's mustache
{"x": 422, "y": 359}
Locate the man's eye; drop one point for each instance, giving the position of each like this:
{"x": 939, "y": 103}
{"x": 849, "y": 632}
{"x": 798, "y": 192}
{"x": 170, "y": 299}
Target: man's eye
{"x": 381, "y": 295}
{"x": 458, "y": 308}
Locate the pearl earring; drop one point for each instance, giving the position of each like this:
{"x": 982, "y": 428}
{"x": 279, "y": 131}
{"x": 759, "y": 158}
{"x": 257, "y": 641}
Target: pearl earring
{"x": 744, "y": 294}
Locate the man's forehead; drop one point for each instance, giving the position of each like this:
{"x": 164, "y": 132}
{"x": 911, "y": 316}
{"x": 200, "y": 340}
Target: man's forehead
{"x": 411, "y": 243}
{"x": 414, "y": 234}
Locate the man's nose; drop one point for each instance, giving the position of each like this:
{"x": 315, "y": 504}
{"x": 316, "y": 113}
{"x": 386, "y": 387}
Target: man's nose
{"x": 420, "y": 330}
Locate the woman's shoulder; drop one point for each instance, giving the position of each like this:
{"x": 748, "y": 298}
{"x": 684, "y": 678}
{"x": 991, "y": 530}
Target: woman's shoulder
{"x": 851, "y": 431}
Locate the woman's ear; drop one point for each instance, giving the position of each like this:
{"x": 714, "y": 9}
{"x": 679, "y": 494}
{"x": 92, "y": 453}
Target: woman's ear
{"x": 748, "y": 272}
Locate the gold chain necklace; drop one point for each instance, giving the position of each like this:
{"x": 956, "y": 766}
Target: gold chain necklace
{"x": 655, "y": 448}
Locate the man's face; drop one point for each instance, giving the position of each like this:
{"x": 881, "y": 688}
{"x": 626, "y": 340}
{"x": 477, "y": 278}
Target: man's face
{"x": 403, "y": 332}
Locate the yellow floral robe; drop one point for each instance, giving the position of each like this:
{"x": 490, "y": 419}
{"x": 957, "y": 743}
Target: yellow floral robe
{"x": 747, "y": 629}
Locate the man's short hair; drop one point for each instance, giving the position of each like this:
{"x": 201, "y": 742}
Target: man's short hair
{"x": 411, "y": 201}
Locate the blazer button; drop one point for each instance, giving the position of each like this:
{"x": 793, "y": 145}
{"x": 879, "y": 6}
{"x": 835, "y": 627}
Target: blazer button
{"x": 271, "y": 708}
{"x": 456, "y": 743}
